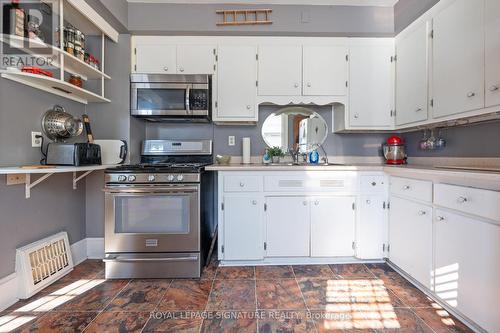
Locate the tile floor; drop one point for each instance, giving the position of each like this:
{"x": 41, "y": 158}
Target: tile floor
{"x": 316, "y": 298}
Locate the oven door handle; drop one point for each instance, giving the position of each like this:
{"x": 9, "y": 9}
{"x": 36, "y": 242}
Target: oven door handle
{"x": 118, "y": 259}
{"x": 146, "y": 191}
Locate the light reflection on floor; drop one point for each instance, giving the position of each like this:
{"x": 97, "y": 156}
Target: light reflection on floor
{"x": 28, "y": 312}
{"x": 358, "y": 304}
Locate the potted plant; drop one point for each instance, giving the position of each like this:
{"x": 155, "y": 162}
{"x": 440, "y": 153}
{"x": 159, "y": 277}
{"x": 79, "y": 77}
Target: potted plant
{"x": 276, "y": 153}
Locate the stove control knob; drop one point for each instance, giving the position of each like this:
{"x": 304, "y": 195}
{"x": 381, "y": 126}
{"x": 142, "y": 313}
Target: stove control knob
{"x": 151, "y": 178}
{"x": 170, "y": 177}
{"x": 131, "y": 178}
{"x": 122, "y": 178}
{"x": 180, "y": 177}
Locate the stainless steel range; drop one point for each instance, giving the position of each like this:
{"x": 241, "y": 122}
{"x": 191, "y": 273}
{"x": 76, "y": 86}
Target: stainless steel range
{"x": 159, "y": 214}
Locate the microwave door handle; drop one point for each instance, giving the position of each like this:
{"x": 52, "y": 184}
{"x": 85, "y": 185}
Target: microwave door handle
{"x": 188, "y": 92}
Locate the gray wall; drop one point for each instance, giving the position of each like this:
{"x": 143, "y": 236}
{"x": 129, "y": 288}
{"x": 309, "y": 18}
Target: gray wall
{"x": 200, "y": 19}
{"x": 407, "y": 11}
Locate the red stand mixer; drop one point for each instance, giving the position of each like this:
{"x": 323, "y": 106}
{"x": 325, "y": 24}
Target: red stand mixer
{"x": 395, "y": 151}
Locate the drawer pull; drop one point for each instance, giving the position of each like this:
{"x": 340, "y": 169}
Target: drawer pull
{"x": 406, "y": 187}
{"x": 440, "y": 218}
{"x": 316, "y": 202}
{"x": 254, "y": 202}
{"x": 374, "y": 184}
{"x": 462, "y": 200}
{"x": 422, "y": 212}
{"x": 242, "y": 184}
{"x": 304, "y": 203}
{"x": 471, "y": 94}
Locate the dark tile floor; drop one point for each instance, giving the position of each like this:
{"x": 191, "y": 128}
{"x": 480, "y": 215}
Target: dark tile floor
{"x": 315, "y": 298}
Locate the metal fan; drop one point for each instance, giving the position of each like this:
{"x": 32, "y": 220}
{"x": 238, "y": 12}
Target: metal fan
{"x": 58, "y": 125}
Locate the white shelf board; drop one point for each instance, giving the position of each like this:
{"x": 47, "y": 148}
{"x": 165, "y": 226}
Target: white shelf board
{"x": 56, "y": 169}
{"x": 54, "y": 86}
{"x": 72, "y": 64}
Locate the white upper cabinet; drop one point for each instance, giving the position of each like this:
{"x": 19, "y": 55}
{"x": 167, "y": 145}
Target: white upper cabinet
{"x": 458, "y": 58}
{"x": 151, "y": 57}
{"x": 332, "y": 226}
{"x": 195, "y": 59}
{"x": 236, "y": 88}
{"x": 325, "y": 70}
{"x": 412, "y": 75}
{"x": 280, "y": 70}
{"x": 492, "y": 55}
{"x": 371, "y": 88}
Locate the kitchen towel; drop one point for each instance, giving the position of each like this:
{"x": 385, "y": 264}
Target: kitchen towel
{"x": 246, "y": 150}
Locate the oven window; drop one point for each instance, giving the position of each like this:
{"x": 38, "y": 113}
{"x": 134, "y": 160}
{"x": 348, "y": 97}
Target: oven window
{"x": 161, "y": 99}
{"x": 152, "y": 214}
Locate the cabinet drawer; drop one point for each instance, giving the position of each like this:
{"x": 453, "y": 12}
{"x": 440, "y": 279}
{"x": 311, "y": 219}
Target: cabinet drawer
{"x": 242, "y": 184}
{"x": 484, "y": 203}
{"x": 373, "y": 183}
{"x": 318, "y": 182}
{"x": 412, "y": 188}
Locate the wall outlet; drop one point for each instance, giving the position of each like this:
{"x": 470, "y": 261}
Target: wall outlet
{"x": 16, "y": 179}
{"x": 36, "y": 142}
{"x": 231, "y": 140}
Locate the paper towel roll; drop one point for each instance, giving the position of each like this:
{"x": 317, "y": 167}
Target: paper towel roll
{"x": 246, "y": 150}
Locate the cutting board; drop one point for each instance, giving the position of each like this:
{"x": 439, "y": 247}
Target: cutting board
{"x": 112, "y": 151}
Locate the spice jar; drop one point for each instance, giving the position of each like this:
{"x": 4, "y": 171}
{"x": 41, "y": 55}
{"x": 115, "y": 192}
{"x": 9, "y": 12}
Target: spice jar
{"x": 76, "y": 80}
{"x": 69, "y": 40}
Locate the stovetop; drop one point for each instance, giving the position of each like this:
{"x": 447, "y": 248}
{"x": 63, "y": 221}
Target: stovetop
{"x": 159, "y": 168}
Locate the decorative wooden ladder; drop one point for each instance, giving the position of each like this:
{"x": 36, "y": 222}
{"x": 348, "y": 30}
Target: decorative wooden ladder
{"x": 244, "y": 16}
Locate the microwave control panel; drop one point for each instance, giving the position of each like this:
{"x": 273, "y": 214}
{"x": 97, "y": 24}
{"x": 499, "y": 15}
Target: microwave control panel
{"x": 198, "y": 99}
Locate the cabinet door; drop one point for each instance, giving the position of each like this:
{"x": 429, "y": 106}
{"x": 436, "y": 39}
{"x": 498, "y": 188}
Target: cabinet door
{"x": 243, "y": 227}
{"x": 410, "y": 236}
{"x": 412, "y": 76}
{"x": 287, "y": 227}
{"x": 492, "y": 53}
{"x": 371, "y": 86}
{"x": 372, "y": 228}
{"x": 155, "y": 58}
{"x": 236, "y": 76}
{"x": 458, "y": 58}
{"x": 467, "y": 267}
{"x": 280, "y": 70}
{"x": 332, "y": 226}
{"x": 325, "y": 70}
{"x": 195, "y": 59}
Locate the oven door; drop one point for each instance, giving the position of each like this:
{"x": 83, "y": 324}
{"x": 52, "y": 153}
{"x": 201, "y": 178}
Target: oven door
{"x": 152, "y": 219}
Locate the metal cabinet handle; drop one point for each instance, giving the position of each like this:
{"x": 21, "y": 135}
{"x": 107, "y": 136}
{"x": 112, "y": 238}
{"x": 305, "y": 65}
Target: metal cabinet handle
{"x": 316, "y": 202}
{"x": 356, "y": 116}
{"x": 296, "y": 85}
{"x": 440, "y": 218}
{"x": 242, "y": 184}
{"x": 471, "y": 94}
{"x": 406, "y": 187}
{"x": 462, "y": 200}
{"x": 248, "y": 107}
{"x": 254, "y": 202}
{"x": 181, "y": 69}
{"x": 418, "y": 110}
{"x": 374, "y": 184}
{"x": 165, "y": 69}
{"x": 304, "y": 203}
{"x": 368, "y": 202}
{"x": 422, "y": 212}
{"x": 493, "y": 88}
{"x": 309, "y": 84}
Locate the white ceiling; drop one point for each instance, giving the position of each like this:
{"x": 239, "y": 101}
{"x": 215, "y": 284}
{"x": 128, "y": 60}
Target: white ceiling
{"x": 384, "y": 3}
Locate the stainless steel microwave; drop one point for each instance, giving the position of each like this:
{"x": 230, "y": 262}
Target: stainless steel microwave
{"x": 171, "y": 97}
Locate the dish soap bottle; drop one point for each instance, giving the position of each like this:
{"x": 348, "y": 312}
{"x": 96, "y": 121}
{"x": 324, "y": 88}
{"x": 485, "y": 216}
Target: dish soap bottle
{"x": 314, "y": 157}
{"x": 266, "y": 159}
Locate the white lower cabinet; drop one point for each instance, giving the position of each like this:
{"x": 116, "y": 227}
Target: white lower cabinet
{"x": 243, "y": 227}
{"x": 332, "y": 226}
{"x": 371, "y": 230}
{"x": 410, "y": 236}
{"x": 467, "y": 266}
{"x": 287, "y": 227}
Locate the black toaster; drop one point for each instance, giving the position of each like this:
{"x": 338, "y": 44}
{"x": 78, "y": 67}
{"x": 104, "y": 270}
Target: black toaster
{"x": 75, "y": 154}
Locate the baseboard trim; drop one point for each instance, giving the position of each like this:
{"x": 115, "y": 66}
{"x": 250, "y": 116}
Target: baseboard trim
{"x": 95, "y": 248}
{"x": 79, "y": 251}
{"x": 8, "y": 290}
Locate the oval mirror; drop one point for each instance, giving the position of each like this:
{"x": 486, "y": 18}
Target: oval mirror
{"x": 294, "y": 127}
